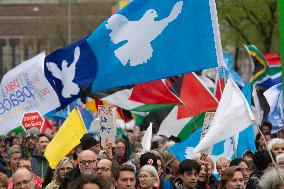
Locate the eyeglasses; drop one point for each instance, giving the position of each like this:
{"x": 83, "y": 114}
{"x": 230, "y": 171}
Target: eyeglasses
{"x": 85, "y": 162}
{"x": 24, "y": 182}
{"x": 65, "y": 169}
{"x": 103, "y": 169}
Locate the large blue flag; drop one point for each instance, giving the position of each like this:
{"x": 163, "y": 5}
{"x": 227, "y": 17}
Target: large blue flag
{"x": 154, "y": 39}
{"x": 244, "y": 141}
{"x": 70, "y": 69}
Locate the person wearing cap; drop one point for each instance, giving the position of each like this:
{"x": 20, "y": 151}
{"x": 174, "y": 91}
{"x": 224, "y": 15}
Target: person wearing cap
{"x": 29, "y": 145}
{"x": 91, "y": 142}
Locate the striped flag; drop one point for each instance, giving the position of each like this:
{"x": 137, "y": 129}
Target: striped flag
{"x": 264, "y": 75}
{"x": 144, "y": 97}
{"x": 196, "y": 99}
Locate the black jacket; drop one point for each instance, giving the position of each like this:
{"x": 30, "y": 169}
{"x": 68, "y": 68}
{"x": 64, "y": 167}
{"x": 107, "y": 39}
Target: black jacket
{"x": 39, "y": 164}
{"x": 69, "y": 177}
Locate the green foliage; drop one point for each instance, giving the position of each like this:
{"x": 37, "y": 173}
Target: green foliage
{"x": 249, "y": 22}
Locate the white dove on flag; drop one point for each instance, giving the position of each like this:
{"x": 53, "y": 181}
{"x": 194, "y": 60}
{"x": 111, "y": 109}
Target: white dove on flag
{"x": 66, "y": 75}
{"x": 138, "y": 34}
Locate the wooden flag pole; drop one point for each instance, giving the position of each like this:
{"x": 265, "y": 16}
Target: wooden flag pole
{"x": 273, "y": 162}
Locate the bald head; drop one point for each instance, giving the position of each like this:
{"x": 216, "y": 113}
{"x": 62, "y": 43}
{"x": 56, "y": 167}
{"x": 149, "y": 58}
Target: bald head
{"x": 23, "y": 178}
{"x": 104, "y": 168}
{"x": 87, "y": 162}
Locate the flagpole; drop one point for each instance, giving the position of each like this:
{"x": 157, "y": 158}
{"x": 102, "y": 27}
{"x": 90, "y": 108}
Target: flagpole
{"x": 234, "y": 147}
{"x": 270, "y": 154}
{"x": 69, "y": 21}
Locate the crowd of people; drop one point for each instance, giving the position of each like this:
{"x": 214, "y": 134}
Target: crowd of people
{"x": 92, "y": 166}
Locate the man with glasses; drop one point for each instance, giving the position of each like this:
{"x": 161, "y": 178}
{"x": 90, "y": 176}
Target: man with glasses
{"x": 87, "y": 161}
{"x": 26, "y": 163}
{"x": 23, "y": 179}
{"x": 104, "y": 170}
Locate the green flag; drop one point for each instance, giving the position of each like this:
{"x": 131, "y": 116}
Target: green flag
{"x": 281, "y": 31}
{"x": 196, "y": 122}
{"x": 18, "y": 130}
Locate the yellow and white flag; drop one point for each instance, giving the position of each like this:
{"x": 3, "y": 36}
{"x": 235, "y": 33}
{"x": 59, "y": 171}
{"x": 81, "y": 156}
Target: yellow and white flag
{"x": 67, "y": 137}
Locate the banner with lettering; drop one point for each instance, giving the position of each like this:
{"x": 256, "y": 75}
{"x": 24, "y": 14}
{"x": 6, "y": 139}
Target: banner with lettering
{"x": 25, "y": 89}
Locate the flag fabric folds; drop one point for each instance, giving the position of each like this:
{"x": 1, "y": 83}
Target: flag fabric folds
{"x": 264, "y": 75}
{"x": 67, "y": 137}
{"x": 274, "y": 97}
{"x": 25, "y": 89}
{"x": 70, "y": 69}
{"x": 135, "y": 45}
{"x": 196, "y": 98}
{"x": 147, "y": 139}
{"x": 232, "y": 116}
{"x": 243, "y": 141}
{"x": 143, "y": 97}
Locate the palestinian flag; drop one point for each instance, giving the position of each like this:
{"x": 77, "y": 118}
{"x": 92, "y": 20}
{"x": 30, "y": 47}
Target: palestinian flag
{"x": 142, "y": 97}
{"x": 196, "y": 99}
{"x": 265, "y": 75}
{"x": 195, "y": 123}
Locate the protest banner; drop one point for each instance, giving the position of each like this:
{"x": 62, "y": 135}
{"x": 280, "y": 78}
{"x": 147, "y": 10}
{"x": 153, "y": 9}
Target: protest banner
{"x": 105, "y": 126}
{"x": 25, "y": 89}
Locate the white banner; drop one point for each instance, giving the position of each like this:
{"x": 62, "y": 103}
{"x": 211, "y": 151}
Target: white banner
{"x": 25, "y": 89}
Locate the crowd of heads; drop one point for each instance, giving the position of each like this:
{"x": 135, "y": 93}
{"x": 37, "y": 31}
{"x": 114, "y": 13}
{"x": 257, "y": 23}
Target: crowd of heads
{"x": 123, "y": 164}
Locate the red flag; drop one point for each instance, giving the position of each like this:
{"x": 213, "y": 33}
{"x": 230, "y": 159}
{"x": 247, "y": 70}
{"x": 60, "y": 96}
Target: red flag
{"x": 195, "y": 96}
{"x": 219, "y": 87}
{"x": 47, "y": 127}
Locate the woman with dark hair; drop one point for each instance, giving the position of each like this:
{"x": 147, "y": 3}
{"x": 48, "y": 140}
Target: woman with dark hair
{"x": 232, "y": 178}
{"x": 120, "y": 151}
{"x": 87, "y": 183}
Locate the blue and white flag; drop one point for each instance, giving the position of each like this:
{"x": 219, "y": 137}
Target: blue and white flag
{"x": 70, "y": 69}
{"x": 243, "y": 141}
{"x": 274, "y": 97}
{"x": 232, "y": 73}
{"x": 153, "y": 39}
{"x": 25, "y": 89}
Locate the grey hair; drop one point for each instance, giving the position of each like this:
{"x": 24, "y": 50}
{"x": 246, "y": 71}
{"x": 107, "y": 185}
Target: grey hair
{"x": 271, "y": 180}
{"x": 278, "y": 157}
{"x": 14, "y": 149}
{"x": 151, "y": 170}
{"x": 273, "y": 142}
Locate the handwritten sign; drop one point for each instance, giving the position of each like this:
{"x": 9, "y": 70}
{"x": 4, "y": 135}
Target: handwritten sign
{"x": 209, "y": 116}
{"x": 105, "y": 124}
{"x": 25, "y": 89}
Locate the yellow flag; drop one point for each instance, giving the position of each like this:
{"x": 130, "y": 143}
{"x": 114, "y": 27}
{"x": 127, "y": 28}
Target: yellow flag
{"x": 67, "y": 137}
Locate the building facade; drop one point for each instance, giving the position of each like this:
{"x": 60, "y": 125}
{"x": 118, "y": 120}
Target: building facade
{"x": 28, "y": 27}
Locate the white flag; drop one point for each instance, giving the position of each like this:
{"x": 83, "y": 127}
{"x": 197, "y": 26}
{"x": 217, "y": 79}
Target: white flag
{"x": 146, "y": 140}
{"x": 24, "y": 89}
{"x": 232, "y": 116}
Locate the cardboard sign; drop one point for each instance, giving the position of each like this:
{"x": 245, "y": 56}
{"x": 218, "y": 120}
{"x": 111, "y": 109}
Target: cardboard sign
{"x": 105, "y": 125}
{"x": 209, "y": 116}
